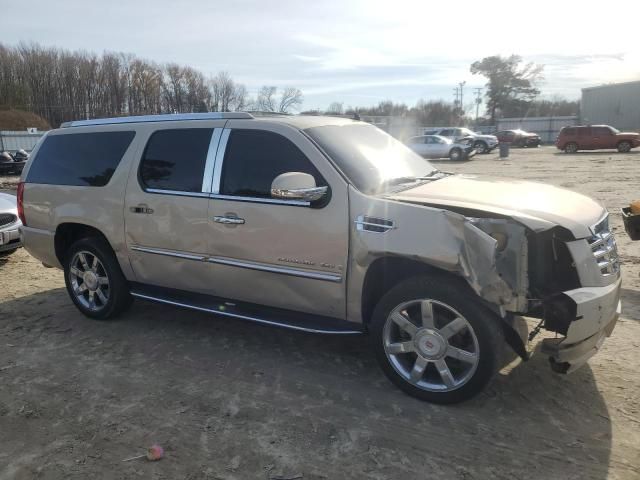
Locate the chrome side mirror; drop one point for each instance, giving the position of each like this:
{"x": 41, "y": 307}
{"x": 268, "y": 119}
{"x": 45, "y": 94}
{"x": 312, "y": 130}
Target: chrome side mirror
{"x": 297, "y": 186}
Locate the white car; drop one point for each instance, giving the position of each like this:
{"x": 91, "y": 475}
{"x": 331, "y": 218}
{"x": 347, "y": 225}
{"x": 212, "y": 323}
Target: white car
{"x": 9, "y": 225}
{"x": 481, "y": 143}
{"x": 435, "y": 146}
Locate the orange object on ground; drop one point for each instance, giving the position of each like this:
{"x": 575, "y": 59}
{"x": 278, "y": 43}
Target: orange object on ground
{"x": 635, "y": 207}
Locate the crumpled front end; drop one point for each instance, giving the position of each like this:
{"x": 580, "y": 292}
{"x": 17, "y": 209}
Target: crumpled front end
{"x": 586, "y": 315}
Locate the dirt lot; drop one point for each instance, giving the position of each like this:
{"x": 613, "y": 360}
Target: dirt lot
{"x": 232, "y": 400}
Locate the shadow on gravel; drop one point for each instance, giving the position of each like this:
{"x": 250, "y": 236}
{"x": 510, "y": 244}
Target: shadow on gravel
{"x": 211, "y": 389}
{"x": 630, "y": 304}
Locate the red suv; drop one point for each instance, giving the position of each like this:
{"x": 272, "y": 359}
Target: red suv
{"x": 595, "y": 137}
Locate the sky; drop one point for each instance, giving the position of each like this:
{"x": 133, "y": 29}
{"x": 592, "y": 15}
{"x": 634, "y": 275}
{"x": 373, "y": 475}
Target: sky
{"x": 357, "y": 52}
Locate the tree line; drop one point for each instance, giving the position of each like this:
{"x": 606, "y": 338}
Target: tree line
{"x": 61, "y": 85}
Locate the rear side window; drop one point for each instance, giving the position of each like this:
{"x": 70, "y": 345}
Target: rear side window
{"x": 601, "y": 131}
{"x": 174, "y": 159}
{"x": 82, "y": 159}
{"x": 254, "y": 158}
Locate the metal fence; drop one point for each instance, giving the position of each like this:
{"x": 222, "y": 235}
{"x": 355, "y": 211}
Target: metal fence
{"x": 16, "y": 140}
{"x": 547, "y": 127}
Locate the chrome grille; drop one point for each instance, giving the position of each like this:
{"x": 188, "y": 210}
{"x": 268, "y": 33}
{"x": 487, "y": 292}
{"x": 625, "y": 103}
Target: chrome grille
{"x": 603, "y": 246}
{"x": 7, "y": 219}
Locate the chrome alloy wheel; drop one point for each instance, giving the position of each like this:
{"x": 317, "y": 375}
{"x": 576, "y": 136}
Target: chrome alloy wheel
{"x": 89, "y": 281}
{"x": 431, "y": 345}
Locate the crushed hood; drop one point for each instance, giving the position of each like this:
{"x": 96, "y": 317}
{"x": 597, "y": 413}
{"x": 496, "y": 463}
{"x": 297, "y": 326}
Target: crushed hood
{"x": 536, "y": 205}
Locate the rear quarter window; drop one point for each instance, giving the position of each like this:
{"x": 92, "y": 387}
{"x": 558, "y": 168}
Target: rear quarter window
{"x": 80, "y": 159}
{"x": 174, "y": 159}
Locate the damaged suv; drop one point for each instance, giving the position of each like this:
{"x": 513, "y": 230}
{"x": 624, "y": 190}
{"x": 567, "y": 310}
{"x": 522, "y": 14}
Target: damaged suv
{"x": 322, "y": 225}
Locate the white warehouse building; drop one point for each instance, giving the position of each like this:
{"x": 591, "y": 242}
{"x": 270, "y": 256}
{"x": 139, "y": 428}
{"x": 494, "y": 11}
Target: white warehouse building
{"x": 617, "y": 104}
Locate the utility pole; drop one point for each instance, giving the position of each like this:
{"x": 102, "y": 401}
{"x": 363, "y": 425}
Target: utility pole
{"x": 478, "y": 93}
{"x": 456, "y": 93}
{"x": 461, "y": 85}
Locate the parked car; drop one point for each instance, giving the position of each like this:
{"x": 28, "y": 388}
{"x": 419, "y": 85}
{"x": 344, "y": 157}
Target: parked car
{"x": 481, "y": 143}
{"x": 596, "y": 137}
{"x": 324, "y": 225}
{"x": 9, "y": 225}
{"x": 519, "y": 138}
{"x": 13, "y": 164}
{"x": 435, "y": 146}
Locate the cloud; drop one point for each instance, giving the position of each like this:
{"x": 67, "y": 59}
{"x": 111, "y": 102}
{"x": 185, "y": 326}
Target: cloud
{"x": 355, "y": 51}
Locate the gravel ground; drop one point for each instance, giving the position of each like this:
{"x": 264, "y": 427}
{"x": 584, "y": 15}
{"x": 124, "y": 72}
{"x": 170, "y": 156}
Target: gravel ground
{"x": 232, "y": 400}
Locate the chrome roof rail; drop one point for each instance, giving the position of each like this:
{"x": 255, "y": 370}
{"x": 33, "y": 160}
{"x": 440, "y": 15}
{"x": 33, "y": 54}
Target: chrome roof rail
{"x": 159, "y": 118}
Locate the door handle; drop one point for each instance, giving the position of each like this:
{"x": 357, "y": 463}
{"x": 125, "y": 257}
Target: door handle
{"x": 228, "y": 220}
{"x": 142, "y": 208}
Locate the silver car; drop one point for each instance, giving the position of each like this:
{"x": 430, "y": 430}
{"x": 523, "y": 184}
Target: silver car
{"x": 481, "y": 143}
{"x": 435, "y": 146}
{"x": 9, "y": 225}
{"x": 323, "y": 225}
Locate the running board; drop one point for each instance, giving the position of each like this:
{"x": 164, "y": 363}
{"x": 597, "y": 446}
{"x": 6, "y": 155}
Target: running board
{"x": 303, "y": 322}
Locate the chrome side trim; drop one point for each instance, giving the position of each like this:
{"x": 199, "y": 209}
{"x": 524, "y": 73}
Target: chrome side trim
{"x": 168, "y": 253}
{"x": 159, "y": 118}
{"x": 177, "y": 192}
{"x": 295, "y": 203}
{"x": 217, "y": 169}
{"x": 245, "y": 317}
{"x": 207, "y": 179}
{"x": 296, "y": 272}
{"x": 365, "y": 223}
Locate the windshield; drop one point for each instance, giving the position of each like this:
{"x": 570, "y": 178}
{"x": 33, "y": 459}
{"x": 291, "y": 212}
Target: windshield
{"x": 369, "y": 157}
{"x": 614, "y": 130}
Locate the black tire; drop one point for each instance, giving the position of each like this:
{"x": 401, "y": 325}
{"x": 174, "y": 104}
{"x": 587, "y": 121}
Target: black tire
{"x": 119, "y": 297}
{"x": 571, "y": 147}
{"x": 624, "y": 147}
{"x": 481, "y": 147}
{"x": 455, "y": 293}
{"x": 456, "y": 154}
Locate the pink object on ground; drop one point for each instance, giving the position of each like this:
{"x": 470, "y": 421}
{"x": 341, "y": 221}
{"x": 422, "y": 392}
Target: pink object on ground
{"x": 155, "y": 452}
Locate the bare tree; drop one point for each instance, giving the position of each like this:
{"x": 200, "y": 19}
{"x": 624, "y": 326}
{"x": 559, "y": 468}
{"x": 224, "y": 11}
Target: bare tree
{"x": 240, "y": 98}
{"x": 62, "y": 85}
{"x": 291, "y": 99}
{"x": 335, "y": 108}
{"x": 266, "y": 100}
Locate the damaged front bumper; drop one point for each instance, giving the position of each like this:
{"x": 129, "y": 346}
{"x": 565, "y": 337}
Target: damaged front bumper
{"x": 597, "y": 311}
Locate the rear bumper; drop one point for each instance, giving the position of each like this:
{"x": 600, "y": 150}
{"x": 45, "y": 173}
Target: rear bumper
{"x": 40, "y": 244}
{"x": 597, "y": 311}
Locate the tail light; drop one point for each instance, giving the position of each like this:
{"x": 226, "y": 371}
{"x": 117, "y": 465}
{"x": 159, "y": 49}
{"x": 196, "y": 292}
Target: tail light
{"x": 21, "y": 203}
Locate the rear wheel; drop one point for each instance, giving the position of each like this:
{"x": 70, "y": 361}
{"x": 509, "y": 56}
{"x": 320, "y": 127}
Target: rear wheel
{"x": 435, "y": 341}
{"x": 624, "y": 147}
{"x": 571, "y": 147}
{"x": 455, "y": 154}
{"x": 94, "y": 280}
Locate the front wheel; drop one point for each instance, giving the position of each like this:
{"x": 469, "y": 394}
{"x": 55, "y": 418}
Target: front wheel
{"x": 435, "y": 341}
{"x": 94, "y": 280}
{"x": 624, "y": 147}
{"x": 455, "y": 154}
{"x": 571, "y": 147}
{"x": 481, "y": 147}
